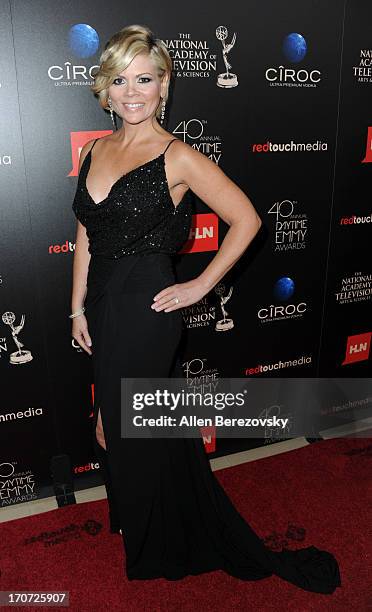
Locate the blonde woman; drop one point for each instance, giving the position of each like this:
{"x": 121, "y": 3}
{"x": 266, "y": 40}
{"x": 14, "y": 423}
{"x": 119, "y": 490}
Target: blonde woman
{"x": 133, "y": 207}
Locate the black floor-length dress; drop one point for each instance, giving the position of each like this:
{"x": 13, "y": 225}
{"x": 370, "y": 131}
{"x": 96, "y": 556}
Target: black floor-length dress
{"x": 175, "y": 517}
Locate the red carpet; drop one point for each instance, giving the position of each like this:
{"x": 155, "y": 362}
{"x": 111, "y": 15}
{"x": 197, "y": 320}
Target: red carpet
{"x": 320, "y": 494}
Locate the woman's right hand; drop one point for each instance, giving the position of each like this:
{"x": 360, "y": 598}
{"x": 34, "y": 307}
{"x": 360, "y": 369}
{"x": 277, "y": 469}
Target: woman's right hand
{"x": 80, "y": 333}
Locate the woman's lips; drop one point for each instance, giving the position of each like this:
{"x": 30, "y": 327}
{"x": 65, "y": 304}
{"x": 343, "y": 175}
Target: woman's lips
{"x": 133, "y": 106}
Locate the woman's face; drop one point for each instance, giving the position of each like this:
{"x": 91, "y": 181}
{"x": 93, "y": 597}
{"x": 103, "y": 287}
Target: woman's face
{"x": 136, "y": 91}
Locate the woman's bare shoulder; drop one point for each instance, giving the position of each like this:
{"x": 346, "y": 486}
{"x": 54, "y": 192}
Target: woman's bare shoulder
{"x": 182, "y": 155}
{"x": 180, "y": 149}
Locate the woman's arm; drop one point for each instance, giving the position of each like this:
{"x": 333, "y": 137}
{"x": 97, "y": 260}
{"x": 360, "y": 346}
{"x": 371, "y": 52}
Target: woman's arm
{"x": 229, "y": 202}
{"x": 79, "y": 277}
{"x": 81, "y": 255}
{"x": 80, "y": 268}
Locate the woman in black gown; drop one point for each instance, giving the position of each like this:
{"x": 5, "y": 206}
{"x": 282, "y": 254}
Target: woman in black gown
{"x": 134, "y": 212}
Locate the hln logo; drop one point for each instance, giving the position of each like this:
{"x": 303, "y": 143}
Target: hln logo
{"x": 357, "y": 348}
{"x": 203, "y": 234}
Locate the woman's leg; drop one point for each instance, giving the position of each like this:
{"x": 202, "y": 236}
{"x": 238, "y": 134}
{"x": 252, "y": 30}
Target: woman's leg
{"x": 99, "y": 431}
{"x": 101, "y": 453}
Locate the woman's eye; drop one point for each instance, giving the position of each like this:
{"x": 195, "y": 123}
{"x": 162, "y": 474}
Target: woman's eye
{"x": 141, "y": 80}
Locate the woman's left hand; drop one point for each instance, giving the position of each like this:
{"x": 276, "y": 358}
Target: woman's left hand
{"x": 187, "y": 293}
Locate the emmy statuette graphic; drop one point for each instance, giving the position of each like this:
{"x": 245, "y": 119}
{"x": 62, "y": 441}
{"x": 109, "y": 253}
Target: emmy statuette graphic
{"x": 224, "y": 324}
{"x": 226, "y": 79}
{"x": 19, "y": 356}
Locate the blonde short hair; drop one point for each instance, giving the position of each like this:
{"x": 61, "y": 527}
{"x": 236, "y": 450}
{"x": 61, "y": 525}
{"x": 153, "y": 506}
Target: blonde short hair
{"x": 119, "y": 52}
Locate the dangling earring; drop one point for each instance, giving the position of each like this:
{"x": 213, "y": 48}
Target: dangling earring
{"x": 162, "y": 111}
{"x": 112, "y": 113}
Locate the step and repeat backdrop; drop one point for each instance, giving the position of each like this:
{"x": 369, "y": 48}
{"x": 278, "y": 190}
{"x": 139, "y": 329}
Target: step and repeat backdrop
{"x": 278, "y": 95}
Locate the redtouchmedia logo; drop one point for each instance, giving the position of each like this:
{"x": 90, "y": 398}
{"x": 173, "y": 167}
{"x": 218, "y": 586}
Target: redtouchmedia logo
{"x": 356, "y": 220}
{"x": 292, "y": 146}
{"x": 88, "y": 467}
{"x": 65, "y": 247}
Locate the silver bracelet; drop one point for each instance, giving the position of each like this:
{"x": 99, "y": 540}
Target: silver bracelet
{"x": 77, "y": 313}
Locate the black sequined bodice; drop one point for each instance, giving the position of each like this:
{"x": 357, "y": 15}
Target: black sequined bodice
{"x": 137, "y": 216}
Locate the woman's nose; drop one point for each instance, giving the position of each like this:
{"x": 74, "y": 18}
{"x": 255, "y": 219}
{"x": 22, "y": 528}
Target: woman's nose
{"x": 131, "y": 88}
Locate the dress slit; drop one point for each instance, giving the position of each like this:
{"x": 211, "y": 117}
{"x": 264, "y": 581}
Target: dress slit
{"x": 101, "y": 454}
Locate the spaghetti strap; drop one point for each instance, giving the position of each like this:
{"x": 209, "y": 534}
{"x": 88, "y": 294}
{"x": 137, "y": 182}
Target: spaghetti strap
{"x": 93, "y": 144}
{"x": 169, "y": 143}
